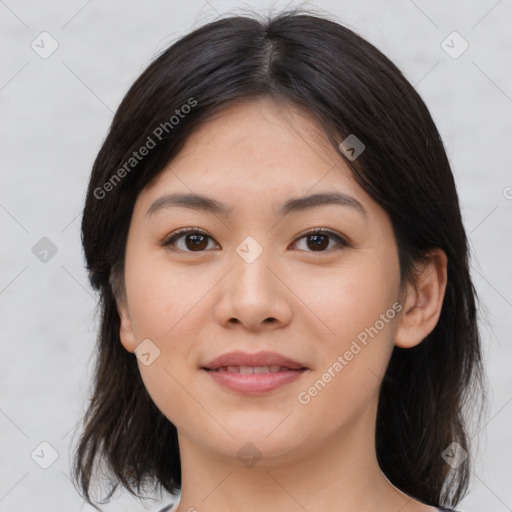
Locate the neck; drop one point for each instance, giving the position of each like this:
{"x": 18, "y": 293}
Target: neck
{"x": 341, "y": 474}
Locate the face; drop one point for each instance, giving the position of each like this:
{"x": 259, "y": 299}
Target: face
{"x": 261, "y": 268}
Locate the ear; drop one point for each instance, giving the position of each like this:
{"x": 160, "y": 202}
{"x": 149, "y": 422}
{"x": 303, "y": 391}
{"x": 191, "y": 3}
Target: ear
{"x": 423, "y": 300}
{"x": 125, "y": 329}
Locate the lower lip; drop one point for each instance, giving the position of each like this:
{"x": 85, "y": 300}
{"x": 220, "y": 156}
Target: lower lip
{"x": 254, "y": 383}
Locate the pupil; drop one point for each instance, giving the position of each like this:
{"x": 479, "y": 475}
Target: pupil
{"x": 196, "y": 238}
{"x": 319, "y": 244}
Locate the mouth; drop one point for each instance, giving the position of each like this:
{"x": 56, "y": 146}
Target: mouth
{"x": 254, "y": 374}
{"x": 244, "y": 362}
{"x": 255, "y": 369}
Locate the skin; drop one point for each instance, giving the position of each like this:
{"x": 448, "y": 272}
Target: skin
{"x": 197, "y": 305}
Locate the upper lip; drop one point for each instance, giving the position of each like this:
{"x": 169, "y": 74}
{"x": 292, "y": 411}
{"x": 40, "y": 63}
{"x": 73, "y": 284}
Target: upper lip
{"x": 263, "y": 358}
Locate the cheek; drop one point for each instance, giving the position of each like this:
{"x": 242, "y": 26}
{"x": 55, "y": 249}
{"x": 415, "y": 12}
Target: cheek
{"x": 160, "y": 297}
{"x": 350, "y": 298}
{"x": 162, "y": 309}
{"x": 354, "y": 361}
{"x": 357, "y": 305}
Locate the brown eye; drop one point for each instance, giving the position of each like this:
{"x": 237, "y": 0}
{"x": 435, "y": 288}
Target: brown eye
{"x": 188, "y": 240}
{"x": 320, "y": 240}
{"x": 196, "y": 242}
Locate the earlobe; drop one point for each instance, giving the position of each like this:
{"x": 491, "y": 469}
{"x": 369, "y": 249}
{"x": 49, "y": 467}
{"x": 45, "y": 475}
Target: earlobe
{"x": 125, "y": 328}
{"x": 423, "y": 300}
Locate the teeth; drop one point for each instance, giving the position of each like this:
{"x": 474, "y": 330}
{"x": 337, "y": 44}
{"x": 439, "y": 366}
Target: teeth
{"x": 252, "y": 369}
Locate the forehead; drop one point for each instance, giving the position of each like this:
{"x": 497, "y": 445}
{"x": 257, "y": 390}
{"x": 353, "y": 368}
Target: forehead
{"x": 248, "y": 166}
{"x": 258, "y": 147}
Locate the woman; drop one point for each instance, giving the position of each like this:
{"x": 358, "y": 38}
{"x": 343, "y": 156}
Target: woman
{"x": 288, "y": 319}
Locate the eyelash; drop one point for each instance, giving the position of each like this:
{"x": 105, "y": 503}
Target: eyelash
{"x": 176, "y": 235}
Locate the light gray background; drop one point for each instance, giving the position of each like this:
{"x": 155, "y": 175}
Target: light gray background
{"x": 55, "y": 113}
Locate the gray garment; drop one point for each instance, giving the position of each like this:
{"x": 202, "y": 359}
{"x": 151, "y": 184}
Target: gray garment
{"x": 168, "y": 507}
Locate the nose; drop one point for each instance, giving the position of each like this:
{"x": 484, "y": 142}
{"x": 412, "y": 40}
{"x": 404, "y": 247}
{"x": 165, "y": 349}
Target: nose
{"x": 254, "y": 295}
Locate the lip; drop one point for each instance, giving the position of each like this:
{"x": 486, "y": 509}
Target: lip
{"x": 254, "y": 383}
{"x": 263, "y": 358}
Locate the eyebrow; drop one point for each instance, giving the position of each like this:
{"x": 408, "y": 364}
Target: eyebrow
{"x": 203, "y": 203}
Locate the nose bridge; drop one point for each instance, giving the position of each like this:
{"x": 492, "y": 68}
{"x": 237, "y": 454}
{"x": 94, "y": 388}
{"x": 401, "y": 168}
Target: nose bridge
{"x": 252, "y": 295}
{"x": 252, "y": 277}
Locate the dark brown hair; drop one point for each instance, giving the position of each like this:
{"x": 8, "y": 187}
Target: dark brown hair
{"x": 352, "y": 88}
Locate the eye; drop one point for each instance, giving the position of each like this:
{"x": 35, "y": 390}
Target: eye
{"x": 188, "y": 240}
{"x": 317, "y": 240}
{"x": 197, "y": 240}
